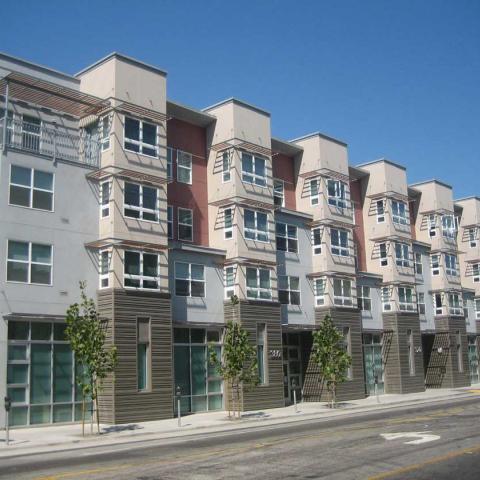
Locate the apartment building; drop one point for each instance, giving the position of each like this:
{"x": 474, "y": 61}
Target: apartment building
{"x": 167, "y": 212}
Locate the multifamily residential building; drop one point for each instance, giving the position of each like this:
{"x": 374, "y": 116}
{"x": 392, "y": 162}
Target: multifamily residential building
{"x": 167, "y": 212}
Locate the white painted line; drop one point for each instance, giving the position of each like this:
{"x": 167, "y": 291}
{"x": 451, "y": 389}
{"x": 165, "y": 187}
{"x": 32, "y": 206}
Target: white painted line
{"x": 421, "y": 437}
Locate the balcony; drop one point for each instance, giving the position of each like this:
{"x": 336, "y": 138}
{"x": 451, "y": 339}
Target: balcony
{"x": 50, "y": 140}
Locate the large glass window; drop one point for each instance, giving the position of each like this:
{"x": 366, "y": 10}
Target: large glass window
{"x": 141, "y": 270}
{"x": 256, "y": 225}
{"x": 339, "y": 242}
{"x": 435, "y": 264}
{"x": 319, "y": 287}
{"x": 199, "y": 381}
{"x": 286, "y": 237}
{"x": 189, "y": 280}
{"x": 278, "y": 192}
{"x": 185, "y": 224}
{"x": 141, "y": 202}
{"x": 399, "y": 212}
{"x": 454, "y": 304}
{"x": 229, "y": 280}
{"x": 29, "y": 262}
{"x": 169, "y": 163}
{"x": 402, "y": 254}
{"x": 449, "y": 226}
{"x": 253, "y": 170}
{"x": 31, "y": 188}
{"x": 476, "y": 272}
{"x": 382, "y": 250}
{"x": 380, "y": 207}
{"x": 418, "y": 263}
{"x": 140, "y": 137}
{"x": 314, "y": 191}
{"x": 364, "y": 300}
{"x": 170, "y": 221}
{"x": 258, "y": 283}
{"x": 385, "y": 295}
{"x": 104, "y": 268}
{"x": 317, "y": 240}
{"x": 451, "y": 265}
{"x": 289, "y": 290}
{"x": 105, "y": 199}
{"x": 184, "y": 167}
{"x": 342, "y": 292}
{"x": 228, "y": 223}
{"x": 226, "y": 176}
{"x": 336, "y": 193}
{"x": 405, "y": 299}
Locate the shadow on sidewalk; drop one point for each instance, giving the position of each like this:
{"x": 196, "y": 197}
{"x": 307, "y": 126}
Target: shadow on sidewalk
{"x": 121, "y": 428}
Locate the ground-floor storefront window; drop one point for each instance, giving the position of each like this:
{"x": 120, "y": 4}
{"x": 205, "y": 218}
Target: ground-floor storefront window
{"x": 41, "y": 375}
{"x": 473, "y": 359}
{"x": 372, "y": 355}
{"x": 200, "y": 385}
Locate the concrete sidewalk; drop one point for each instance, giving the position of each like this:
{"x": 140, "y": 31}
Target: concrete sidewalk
{"x": 27, "y": 441}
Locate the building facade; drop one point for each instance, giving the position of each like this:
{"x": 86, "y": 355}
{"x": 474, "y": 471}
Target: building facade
{"x": 167, "y": 212}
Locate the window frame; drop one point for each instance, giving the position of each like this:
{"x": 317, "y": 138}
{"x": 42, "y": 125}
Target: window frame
{"x": 449, "y": 231}
{"x": 226, "y": 167}
{"x": 140, "y": 143}
{"x": 105, "y": 202}
{"x": 228, "y": 231}
{"x": 189, "y": 279}
{"x": 31, "y": 188}
{"x": 256, "y": 178}
{"x": 340, "y": 250}
{"x": 289, "y": 290}
{"x": 339, "y": 199}
{"x": 180, "y": 168}
{"x": 472, "y": 237}
{"x": 258, "y": 288}
{"x": 102, "y": 275}
{"x": 147, "y": 343}
{"x": 457, "y": 308}
{"x": 261, "y": 337}
{"x": 170, "y": 222}
{"x": 386, "y": 299}
{"x": 291, "y": 242}
{"x": 314, "y": 198}
{"x": 420, "y": 303}
{"x": 418, "y": 263}
{"x": 435, "y": 263}
{"x": 380, "y": 214}
{"x": 406, "y": 306}
{"x": 319, "y": 297}
{"x": 438, "y": 305}
{"x": 170, "y": 151}
{"x": 451, "y": 265}
{"x": 226, "y": 286}
{"x": 317, "y": 247}
{"x": 276, "y": 183}
{"x": 255, "y": 231}
{"x": 476, "y": 272}
{"x": 140, "y": 208}
{"x": 404, "y": 259}
{"x": 398, "y": 217}
{"x": 364, "y": 299}
{"x": 141, "y": 277}
{"x": 183, "y": 224}
{"x": 343, "y": 300}
{"x": 383, "y": 254}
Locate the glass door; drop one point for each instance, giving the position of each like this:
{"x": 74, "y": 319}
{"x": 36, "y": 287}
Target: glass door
{"x": 292, "y": 369}
{"x": 372, "y": 353}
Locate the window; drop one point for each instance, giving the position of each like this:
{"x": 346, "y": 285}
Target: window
{"x": 477, "y": 308}
{"x": 339, "y": 242}
{"x": 141, "y": 202}
{"x": 253, "y": 170}
{"x": 435, "y": 262}
{"x": 229, "y": 274}
{"x": 31, "y": 188}
{"x": 255, "y": 225}
{"x": 226, "y": 167}
{"x": 140, "y": 137}
{"x": 336, "y": 193}
{"x": 319, "y": 291}
{"x": 454, "y": 304}
{"x": 189, "y": 280}
{"x": 185, "y": 224}
{"x": 286, "y": 237}
{"x": 399, "y": 212}
{"x": 228, "y": 223}
{"x": 405, "y": 299}
{"x": 380, "y": 206}
{"x": 143, "y": 354}
{"x": 278, "y": 192}
{"x": 418, "y": 264}
{"x": 104, "y": 199}
{"x": 347, "y": 345}
{"x": 184, "y": 167}
{"x": 438, "y": 304}
{"x": 104, "y": 268}
{"x": 104, "y": 131}
{"x": 289, "y": 290}
{"x": 342, "y": 292}
{"x": 448, "y": 226}
{"x": 459, "y": 351}
{"x": 258, "y": 283}
{"x": 31, "y": 133}
{"x": 170, "y": 221}
{"x": 169, "y": 163}
{"x": 314, "y": 191}
{"x": 385, "y": 295}
{"x": 451, "y": 266}
{"x": 363, "y": 299}
{"x": 411, "y": 352}
{"x": 432, "y": 224}
{"x": 476, "y": 272}
{"x": 141, "y": 270}
{"x": 10, "y": 124}
{"x": 421, "y": 303}
{"x": 261, "y": 352}
{"x": 29, "y": 262}
{"x": 317, "y": 241}
{"x": 383, "y": 254}
{"x": 472, "y": 237}
{"x": 402, "y": 255}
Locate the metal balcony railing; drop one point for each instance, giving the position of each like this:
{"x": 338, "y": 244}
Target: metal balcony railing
{"x": 51, "y": 140}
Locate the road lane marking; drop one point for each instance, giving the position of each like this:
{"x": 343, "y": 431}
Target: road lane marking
{"x": 421, "y": 437}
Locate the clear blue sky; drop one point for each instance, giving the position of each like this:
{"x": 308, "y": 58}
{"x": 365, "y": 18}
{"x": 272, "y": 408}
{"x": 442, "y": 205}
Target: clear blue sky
{"x": 392, "y": 78}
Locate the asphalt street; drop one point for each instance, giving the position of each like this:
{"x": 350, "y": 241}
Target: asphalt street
{"x": 439, "y": 441}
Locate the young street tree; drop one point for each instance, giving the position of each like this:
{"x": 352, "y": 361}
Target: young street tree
{"x": 331, "y": 356}
{"x": 86, "y": 333}
{"x": 238, "y": 365}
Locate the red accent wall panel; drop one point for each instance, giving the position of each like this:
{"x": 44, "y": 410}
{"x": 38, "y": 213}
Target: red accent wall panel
{"x": 192, "y": 139}
{"x": 358, "y": 231}
{"x": 284, "y": 169}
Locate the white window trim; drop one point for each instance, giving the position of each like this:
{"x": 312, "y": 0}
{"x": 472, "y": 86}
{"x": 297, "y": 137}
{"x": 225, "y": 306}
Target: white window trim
{"x": 473, "y": 237}
{"x": 170, "y": 222}
{"x": 255, "y": 231}
{"x": 281, "y": 182}
{"x": 140, "y": 142}
{"x": 289, "y": 290}
{"x": 226, "y": 172}
{"x": 420, "y": 303}
{"x": 449, "y": 232}
{"x": 253, "y": 174}
{"x": 477, "y": 310}
{"x": 314, "y": 199}
{"x": 141, "y": 209}
{"x": 406, "y": 306}
{"x": 319, "y": 298}
{"x": 317, "y": 248}
{"x": 386, "y": 299}
{"x": 259, "y": 289}
{"x": 105, "y": 207}
{"x": 361, "y": 297}
{"x": 452, "y": 272}
{"x": 457, "y": 308}
{"x": 418, "y": 264}
{"x": 432, "y": 225}
{"x": 398, "y": 218}
{"x": 476, "y": 272}
{"x": 343, "y": 300}
{"x": 383, "y": 259}
{"x": 104, "y": 276}
{"x": 380, "y": 215}
{"x": 30, "y": 263}
{"x": 435, "y": 270}
{"x": 141, "y": 277}
{"x": 438, "y": 309}
{"x": 170, "y": 151}
{"x": 227, "y": 231}
{"x": 229, "y": 290}
{"x": 105, "y": 132}
{"x": 31, "y": 188}
{"x": 287, "y": 237}
{"x": 404, "y": 259}
{"x": 189, "y": 279}
{"x": 189, "y": 169}
{"x": 337, "y": 200}
{"x": 339, "y": 250}
{"x": 179, "y": 224}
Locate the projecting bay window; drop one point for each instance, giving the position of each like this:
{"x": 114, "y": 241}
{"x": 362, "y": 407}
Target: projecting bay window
{"x": 319, "y": 287}
{"x": 184, "y": 167}
{"x": 339, "y": 242}
{"x": 141, "y": 270}
{"x": 314, "y": 191}
{"x": 104, "y": 268}
{"x": 317, "y": 240}
{"x": 405, "y": 299}
{"x": 342, "y": 292}
{"x": 449, "y": 226}
{"x": 382, "y": 249}
{"x": 105, "y": 199}
{"x": 229, "y": 280}
{"x": 226, "y": 176}
{"x": 261, "y": 352}
{"x": 399, "y": 212}
{"x": 31, "y": 188}
{"x": 185, "y": 224}
{"x": 289, "y": 290}
{"x": 472, "y": 237}
{"x": 29, "y": 262}
{"x": 476, "y": 272}
{"x": 435, "y": 264}
{"x": 363, "y": 298}
{"x": 286, "y": 237}
{"x": 189, "y": 280}
{"x": 402, "y": 254}
{"x": 140, "y": 137}
{"x": 451, "y": 265}
{"x": 141, "y": 202}
{"x": 254, "y": 170}
{"x": 228, "y": 223}
{"x": 258, "y": 283}
{"x": 386, "y": 301}
{"x": 336, "y": 193}
{"x": 278, "y": 192}
{"x": 256, "y": 225}
{"x": 380, "y": 207}
{"x": 454, "y": 304}
{"x": 143, "y": 354}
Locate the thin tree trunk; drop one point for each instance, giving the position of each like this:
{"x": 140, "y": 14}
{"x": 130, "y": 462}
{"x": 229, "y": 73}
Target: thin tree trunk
{"x": 83, "y": 414}
{"x": 230, "y": 400}
{"x": 97, "y": 410}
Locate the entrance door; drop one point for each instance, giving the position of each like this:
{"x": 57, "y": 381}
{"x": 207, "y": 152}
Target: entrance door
{"x": 473, "y": 359}
{"x": 372, "y": 355}
{"x": 292, "y": 369}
